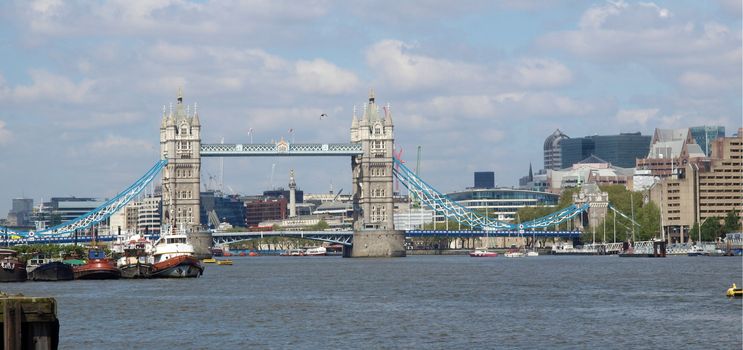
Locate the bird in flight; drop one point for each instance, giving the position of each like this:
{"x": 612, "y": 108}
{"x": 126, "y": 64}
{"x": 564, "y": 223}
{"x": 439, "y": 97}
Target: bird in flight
{"x": 323, "y": 116}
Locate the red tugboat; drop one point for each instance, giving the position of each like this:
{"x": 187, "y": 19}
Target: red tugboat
{"x": 11, "y": 267}
{"x": 98, "y": 267}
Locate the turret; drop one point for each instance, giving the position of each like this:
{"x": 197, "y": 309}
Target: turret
{"x": 195, "y": 122}
{"x": 388, "y": 115}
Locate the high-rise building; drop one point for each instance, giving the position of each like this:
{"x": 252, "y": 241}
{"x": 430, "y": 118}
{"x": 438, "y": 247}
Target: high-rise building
{"x": 621, "y": 150}
{"x": 708, "y": 188}
{"x": 704, "y": 135}
{"x": 484, "y": 179}
{"x": 670, "y": 151}
{"x": 20, "y": 212}
{"x": 552, "y": 150}
{"x": 216, "y": 209}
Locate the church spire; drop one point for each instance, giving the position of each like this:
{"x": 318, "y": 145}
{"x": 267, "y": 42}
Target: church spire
{"x": 180, "y": 95}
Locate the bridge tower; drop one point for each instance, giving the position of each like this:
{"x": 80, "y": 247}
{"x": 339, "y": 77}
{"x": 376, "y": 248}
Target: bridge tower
{"x": 180, "y": 144}
{"x": 374, "y": 231}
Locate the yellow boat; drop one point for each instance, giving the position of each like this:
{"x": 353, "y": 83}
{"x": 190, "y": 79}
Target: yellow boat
{"x": 209, "y": 261}
{"x": 224, "y": 262}
{"x": 734, "y": 291}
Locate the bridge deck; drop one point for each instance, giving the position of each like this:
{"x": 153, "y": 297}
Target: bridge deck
{"x": 280, "y": 149}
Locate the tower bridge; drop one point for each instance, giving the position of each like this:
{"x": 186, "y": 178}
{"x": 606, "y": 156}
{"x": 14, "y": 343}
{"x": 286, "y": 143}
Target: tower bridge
{"x": 373, "y": 166}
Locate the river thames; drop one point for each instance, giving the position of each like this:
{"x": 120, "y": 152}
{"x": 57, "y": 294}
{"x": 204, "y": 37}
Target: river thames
{"x": 438, "y": 302}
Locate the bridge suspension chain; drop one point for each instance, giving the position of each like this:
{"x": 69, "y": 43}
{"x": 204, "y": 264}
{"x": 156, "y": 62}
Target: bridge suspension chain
{"x": 101, "y": 213}
{"x": 453, "y": 210}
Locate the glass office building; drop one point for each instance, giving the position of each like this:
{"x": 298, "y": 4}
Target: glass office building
{"x": 704, "y": 135}
{"x": 502, "y": 203}
{"x": 619, "y": 150}
{"x": 484, "y": 179}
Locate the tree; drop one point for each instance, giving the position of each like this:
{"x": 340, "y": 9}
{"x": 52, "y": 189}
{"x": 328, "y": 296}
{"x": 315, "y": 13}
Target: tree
{"x": 732, "y": 222}
{"x": 694, "y": 232}
{"x": 711, "y": 229}
{"x": 648, "y": 216}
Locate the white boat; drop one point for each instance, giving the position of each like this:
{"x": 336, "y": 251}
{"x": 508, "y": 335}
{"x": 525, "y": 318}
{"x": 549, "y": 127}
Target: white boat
{"x": 532, "y": 253}
{"x": 174, "y": 257}
{"x": 316, "y": 251}
{"x": 514, "y": 254}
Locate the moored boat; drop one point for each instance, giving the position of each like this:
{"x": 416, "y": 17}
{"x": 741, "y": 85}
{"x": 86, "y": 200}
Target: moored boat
{"x": 224, "y": 262}
{"x": 97, "y": 267}
{"x": 514, "y": 254}
{"x": 42, "y": 268}
{"x": 174, "y": 258}
{"x": 316, "y": 251}
{"x": 137, "y": 260}
{"x": 483, "y": 253}
{"x": 12, "y": 269}
{"x": 209, "y": 261}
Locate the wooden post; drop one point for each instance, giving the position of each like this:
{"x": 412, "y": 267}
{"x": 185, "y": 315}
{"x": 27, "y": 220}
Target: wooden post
{"x": 12, "y": 325}
{"x": 29, "y": 323}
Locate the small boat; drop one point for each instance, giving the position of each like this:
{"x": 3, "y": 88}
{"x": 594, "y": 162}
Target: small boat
{"x": 293, "y": 252}
{"x": 217, "y": 252}
{"x": 316, "y": 251}
{"x": 11, "y": 267}
{"x": 209, "y": 261}
{"x": 174, "y": 258}
{"x": 532, "y": 253}
{"x": 137, "y": 259}
{"x": 43, "y": 268}
{"x": 514, "y": 254}
{"x": 734, "y": 292}
{"x": 98, "y": 267}
{"x": 224, "y": 262}
{"x": 483, "y": 253}
{"x": 697, "y": 251}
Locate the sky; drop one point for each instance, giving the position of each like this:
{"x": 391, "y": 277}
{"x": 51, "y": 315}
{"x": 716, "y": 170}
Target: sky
{"x": 478, "y": 85}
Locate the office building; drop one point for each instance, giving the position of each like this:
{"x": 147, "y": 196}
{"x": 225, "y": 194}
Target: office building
{"x": 704, "y": 135}
{"x": 590, "y": 170}
{"x": 670, "y": 151}
{"x": 553, "y": 151}
{"x": 708, "y": 188}
{"x": 484, "y": 179}
{"x": 619, "y": 150}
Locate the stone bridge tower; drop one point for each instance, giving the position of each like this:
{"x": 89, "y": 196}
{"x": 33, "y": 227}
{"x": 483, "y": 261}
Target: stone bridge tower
{"x": 374, "y": 231}
{"x": 180, "y": 144}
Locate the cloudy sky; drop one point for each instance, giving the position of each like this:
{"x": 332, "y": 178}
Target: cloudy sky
{"x": 477, "y": 84}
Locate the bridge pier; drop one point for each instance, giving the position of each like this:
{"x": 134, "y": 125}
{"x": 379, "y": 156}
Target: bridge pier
{"x": 377, "y": 244}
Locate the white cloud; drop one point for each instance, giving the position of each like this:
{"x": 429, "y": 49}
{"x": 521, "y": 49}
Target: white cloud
{"x": 116, "y": 144}
{"x": 5, "y": 134}
{"x": 534, "y": 72}
{"x": 636, "y": 116}
{"x": 50, "y": 87}
{"x": 323, "y": 77}
{"x": 398, "y": 67}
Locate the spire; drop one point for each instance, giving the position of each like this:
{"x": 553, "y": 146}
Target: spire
{"x": 531, "y": 174}
{"x": 371, "y": 95}
{"x": 354, "y": 120}
{"x": 164, "y": 119}
{"x": 170, "y": 120}
{"x": 180, "y": 95}
{"x": 195, "y": 120}
{"x": 388, "y": 114}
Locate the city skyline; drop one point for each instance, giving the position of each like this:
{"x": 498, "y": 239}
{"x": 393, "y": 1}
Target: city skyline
{"x": 83, "y": 85}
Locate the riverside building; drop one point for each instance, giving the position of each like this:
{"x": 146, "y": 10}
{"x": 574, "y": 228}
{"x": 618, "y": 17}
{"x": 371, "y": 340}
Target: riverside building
{"x": 708, "y": 188}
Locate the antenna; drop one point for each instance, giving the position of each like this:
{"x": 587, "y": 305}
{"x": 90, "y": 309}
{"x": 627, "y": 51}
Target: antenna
{"x": 221, "y": 171}
{"x": 273, "y": 168}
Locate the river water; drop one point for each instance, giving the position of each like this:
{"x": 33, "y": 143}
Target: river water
{"x": 436, "y": 302}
